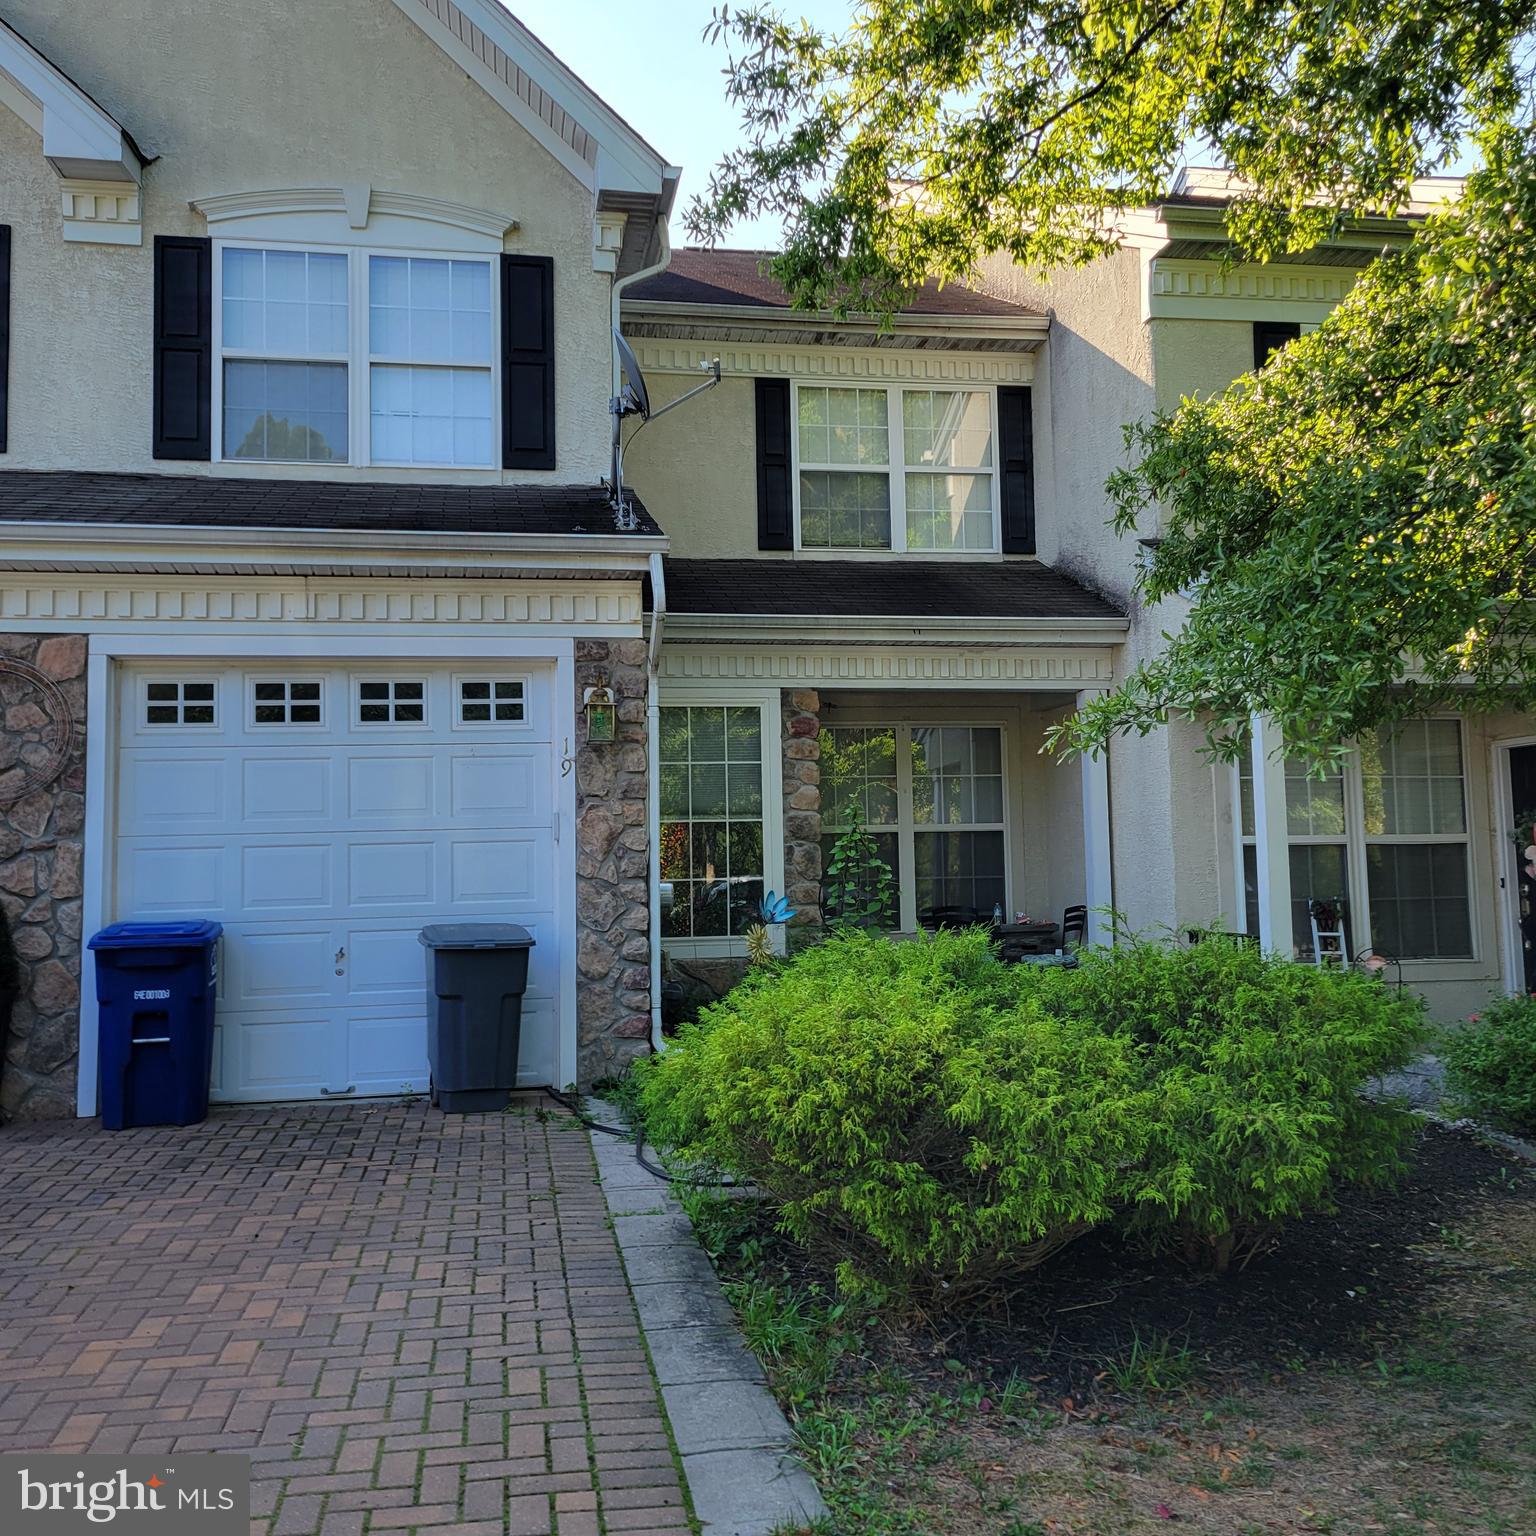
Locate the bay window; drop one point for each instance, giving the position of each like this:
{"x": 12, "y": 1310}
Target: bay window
{"x": 1384, "y": 838}
{"x": 885, "y": 468}
{"x": 355, "y": 357}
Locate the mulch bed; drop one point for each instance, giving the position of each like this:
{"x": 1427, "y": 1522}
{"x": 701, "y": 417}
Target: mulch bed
{"x": 1332, "y": 1288}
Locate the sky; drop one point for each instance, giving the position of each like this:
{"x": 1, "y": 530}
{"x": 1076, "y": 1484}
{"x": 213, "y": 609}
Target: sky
{"x": 647, "y": 59}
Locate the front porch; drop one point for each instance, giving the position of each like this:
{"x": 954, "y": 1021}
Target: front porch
{"x": 969, "y": 814}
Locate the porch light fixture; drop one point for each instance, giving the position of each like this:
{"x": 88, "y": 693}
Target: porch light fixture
{"x": 602, "y": 715}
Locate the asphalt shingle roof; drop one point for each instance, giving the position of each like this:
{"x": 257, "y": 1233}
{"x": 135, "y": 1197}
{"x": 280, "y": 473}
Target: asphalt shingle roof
{"x": 223, "y": 501}
{"x": 900, "y": 588}
{"x": 734, "y": 277}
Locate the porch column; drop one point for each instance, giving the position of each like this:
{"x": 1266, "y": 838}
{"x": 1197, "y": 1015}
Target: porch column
{"x": 1270, "y": 838}
{"x": 1098, "y": 875}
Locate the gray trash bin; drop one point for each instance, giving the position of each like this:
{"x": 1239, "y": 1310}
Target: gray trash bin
{"x": 476, "y": 976}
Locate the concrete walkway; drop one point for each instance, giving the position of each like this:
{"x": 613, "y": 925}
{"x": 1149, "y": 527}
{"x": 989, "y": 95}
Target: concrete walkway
{"x": 409, "y": 1321}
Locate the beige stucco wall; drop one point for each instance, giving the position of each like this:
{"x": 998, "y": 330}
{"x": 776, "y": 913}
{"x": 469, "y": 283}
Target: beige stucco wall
{"x": 273, "y": 94}
{"x": 696, "y": 470}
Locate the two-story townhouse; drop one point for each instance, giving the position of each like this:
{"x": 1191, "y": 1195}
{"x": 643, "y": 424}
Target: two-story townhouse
{"x": 1414, "y": 839}
{"x": 857, "y": 610}
{"x": 896, "y": 544}
{"x": 308, "y": 564}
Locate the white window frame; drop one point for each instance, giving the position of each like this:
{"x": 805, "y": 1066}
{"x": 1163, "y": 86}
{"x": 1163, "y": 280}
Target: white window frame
{"x": 907, "y": 826}
{"x": 896, "y": 469}
{"x": 768, "y": 705}
{"x": 359, "y": 359}
{"x": 180, "y": 679}
{"x": 1356, "y": 841}
{"x": 521, "y": 727}
{"x": 356, "y": 701}
{"x": 287, "y": 680}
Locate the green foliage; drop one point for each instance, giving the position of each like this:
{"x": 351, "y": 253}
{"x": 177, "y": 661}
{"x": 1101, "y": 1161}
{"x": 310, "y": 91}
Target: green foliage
{"x": 1254, "y": 1066}
{"x": 1491, "y": 1064}
{"x": 904, "y": 1115}
{"x": 1026, "y": 126}
{"x": 858, "y": 888}
{"x": 1353, "y": 529}
{"x": 939, "y": 1122}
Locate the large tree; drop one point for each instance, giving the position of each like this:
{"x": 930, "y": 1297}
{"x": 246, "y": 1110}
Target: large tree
{"x": 1354, "y": 530}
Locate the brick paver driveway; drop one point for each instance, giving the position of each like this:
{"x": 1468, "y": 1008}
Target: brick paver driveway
{"x": 408, "y": 1320}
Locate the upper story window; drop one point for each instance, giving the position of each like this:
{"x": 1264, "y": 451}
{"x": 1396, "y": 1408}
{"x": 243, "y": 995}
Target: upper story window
{"x": 895, "y": 469}
{"x": 354, "y": 357}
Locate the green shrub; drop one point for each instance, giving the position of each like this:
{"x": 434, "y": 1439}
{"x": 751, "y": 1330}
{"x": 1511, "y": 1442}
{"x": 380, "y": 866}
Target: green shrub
{"x": 1255, "y": 1066}
{"x": 938, "y": 1121}
{"x": 910, "y": 1118}
{"x": 1490, "y": 1064}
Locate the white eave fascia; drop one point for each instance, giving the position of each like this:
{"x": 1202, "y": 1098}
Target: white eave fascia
{"x": 81, "y": 141}
{"x": 746, "y": 628}
{"x": 984, "y": 327}
{"x": 108, "y": 545}
{"x": 619, "y": 159}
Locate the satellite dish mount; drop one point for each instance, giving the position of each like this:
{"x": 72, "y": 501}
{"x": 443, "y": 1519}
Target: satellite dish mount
{"x": 633, "y": 399}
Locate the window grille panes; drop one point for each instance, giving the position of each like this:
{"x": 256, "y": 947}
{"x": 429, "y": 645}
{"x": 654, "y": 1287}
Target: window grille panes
{"x": 429, "y": 330}
{"x": 957, "y": 781}
{"x": 711, "y": 794}
{"x": 289, "y": 412}
{"x": 392, "y": 701}
{"x": 285, "y": 702}
{"x": 1419, "y": 900}
{"x": 844, "y": 427}
{"x": 1319, "y": 872}
{"x": 1314, "y": 806}
{"x": 949, "y": 429}
{"x": 180, "y": 703}
{"x": 858, "y": 770}
{"x": 285, "y": 343}
{"x": 1412, "y": 780}
{"x": 844, "y": 511}
{"x": 491, "y": 701}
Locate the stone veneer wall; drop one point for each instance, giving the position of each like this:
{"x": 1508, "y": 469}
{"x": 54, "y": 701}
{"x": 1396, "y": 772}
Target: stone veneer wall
{"x": 40, "y": 886}
{"x": 801, "y": 710}
{"x": 613, "y": 955}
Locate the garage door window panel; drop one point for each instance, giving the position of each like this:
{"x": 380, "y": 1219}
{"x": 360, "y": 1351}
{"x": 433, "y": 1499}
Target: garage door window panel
{"x": 180, "y": 702}
{"x": 391, "y": 701}
{"x": 286, "y": 701}
{"x": 491, "y": 701}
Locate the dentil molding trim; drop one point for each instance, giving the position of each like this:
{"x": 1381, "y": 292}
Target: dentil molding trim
{"x": 558, "y": 603}
{"x": 837, "y": 363}
{"x": 1035, "y": 666}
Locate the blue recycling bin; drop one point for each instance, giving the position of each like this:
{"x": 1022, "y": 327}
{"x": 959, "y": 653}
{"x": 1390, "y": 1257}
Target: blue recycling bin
{"x": 155, "y": 989}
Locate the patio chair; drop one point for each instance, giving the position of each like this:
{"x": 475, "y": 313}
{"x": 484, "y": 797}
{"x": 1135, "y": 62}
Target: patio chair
{"x": 1074, "y": 928}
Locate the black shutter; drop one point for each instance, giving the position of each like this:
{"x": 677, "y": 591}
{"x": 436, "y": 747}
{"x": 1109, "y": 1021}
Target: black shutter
{"x": 527, "y": 362}
{"x": 183, "y": 347}
{"x": 775, "y": 494}
{"x": 1015, "y": 426}
{"x": 1270, "y": 335}
{"x": 5, "y": 332}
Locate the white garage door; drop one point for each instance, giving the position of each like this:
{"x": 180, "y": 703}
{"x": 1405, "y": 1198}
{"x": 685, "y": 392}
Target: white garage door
{"x": 323, "y": 815}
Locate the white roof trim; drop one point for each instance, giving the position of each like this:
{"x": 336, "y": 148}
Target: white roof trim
{"x": 80, "y": 140}
{"x": 358, "y": 202}
{"x": 564, "y": 114}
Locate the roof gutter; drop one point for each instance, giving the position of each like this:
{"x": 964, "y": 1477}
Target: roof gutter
{"x": 866, "y": 629}
{"x": 75, "y": 543}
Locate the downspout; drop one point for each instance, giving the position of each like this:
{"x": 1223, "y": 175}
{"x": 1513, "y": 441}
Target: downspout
{"x": 653, "y": 786}
{"x": 652, "y": 691}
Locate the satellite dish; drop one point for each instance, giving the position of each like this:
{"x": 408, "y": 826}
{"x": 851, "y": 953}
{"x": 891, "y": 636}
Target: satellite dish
{"x": 634, "y": 400}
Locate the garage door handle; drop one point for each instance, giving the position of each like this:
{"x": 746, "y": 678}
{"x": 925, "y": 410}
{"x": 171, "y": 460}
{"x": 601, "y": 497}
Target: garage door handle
{"x": 338, "y": 1093}
{"x": 155, "y": 1040}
